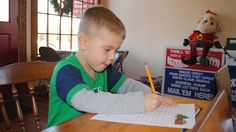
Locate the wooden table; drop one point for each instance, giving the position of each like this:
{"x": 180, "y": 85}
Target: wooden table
{"x": 84, "y": 124}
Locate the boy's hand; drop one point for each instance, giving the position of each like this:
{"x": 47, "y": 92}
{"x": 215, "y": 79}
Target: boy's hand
{"x": 167, "y": 101}
{"x": 152, "y": 101}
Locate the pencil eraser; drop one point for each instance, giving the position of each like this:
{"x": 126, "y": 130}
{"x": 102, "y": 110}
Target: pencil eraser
{"x": 145, "y": 63}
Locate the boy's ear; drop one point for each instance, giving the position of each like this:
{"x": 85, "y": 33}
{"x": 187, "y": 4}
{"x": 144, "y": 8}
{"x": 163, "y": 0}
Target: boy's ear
{"x": 82, "y": 40}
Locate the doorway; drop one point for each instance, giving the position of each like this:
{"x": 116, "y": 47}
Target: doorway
{"x": 9, "y": 32}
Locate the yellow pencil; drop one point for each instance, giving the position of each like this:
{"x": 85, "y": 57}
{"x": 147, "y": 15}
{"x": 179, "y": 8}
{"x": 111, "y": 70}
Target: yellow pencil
{"x": 150, "y": 78}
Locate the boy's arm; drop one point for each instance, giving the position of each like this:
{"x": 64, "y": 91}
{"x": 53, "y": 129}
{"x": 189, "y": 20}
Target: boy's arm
{"x": 105, "y": 102}
{"x": 131, "y": 85}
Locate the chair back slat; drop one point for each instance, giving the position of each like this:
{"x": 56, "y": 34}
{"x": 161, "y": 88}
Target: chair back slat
{"x": 4, "y": 114}
{"x": 18, "y": 107}
{"x": 216, "y": 115}
{"x": 35, "y": 107}
{"x": 223, "y": 80}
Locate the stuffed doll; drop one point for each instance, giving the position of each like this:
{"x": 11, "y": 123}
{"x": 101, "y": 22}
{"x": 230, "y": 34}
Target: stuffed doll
{"x": 204, "y": 36}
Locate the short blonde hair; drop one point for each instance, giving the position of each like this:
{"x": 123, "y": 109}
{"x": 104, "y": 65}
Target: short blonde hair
{"x": 101, "y": 17}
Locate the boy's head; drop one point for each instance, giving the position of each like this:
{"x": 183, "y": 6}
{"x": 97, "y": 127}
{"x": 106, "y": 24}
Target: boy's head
{"x": 98, "y": 17}
{"x": 100, "y": 35}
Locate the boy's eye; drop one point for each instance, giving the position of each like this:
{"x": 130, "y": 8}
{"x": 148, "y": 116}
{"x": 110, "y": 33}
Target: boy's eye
{"x": 212, "y": 23}
{"x": 205, "y": 21}
{"x": 107, "y": 49}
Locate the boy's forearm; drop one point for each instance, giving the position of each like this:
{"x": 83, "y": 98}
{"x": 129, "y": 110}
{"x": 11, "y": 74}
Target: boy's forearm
{"x": 105, "y": 102}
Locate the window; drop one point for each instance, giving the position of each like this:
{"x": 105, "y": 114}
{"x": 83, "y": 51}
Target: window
{"x": 55, "y": 23}
{"x": 4, "y": 9}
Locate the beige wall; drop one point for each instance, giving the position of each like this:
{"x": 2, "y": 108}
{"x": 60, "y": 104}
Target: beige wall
{"x": 153, "y": 25}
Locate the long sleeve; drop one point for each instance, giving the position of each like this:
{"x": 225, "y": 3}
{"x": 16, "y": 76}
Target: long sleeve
{"x": 130, "y": 99}
{"x": 105, "y": 102}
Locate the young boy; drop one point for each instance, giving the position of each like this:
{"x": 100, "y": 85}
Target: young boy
{"x": 86, "y": 81}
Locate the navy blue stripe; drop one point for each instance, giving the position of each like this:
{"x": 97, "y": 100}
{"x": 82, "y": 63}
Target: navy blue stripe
{"x": 113, "y": 77}
{"x": 67, "y": 77}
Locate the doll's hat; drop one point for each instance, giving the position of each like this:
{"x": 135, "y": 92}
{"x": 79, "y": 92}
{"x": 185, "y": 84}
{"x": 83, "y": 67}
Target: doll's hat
{"x": 211, "y": 12}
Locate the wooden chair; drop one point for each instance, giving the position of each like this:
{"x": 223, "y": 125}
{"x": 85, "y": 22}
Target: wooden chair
{"x": 28, "y": 73}
{"x": 49, "y": 54}
{"x": 223, "y": 80}
{"x": 216, "y": 117}
{"x": 118, "y": 63}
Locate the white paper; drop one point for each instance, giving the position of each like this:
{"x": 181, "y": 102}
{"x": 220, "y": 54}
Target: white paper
{"x": 162, "y": 116}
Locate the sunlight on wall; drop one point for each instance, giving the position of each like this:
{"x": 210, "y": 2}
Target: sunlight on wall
{"x": 153, "y": 25}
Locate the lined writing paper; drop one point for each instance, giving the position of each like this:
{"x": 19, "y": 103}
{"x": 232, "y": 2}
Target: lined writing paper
{"x": 162, "y": 116}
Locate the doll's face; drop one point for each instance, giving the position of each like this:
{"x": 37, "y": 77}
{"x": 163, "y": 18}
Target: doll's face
{"x": 208, "y": 24}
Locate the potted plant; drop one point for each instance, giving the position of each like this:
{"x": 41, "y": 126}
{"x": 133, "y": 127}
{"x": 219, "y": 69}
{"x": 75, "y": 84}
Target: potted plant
{"x": 179, "y": 119}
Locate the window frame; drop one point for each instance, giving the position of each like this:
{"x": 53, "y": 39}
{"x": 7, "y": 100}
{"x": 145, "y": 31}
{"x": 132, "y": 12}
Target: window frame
{"x": 34, "y": 25}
